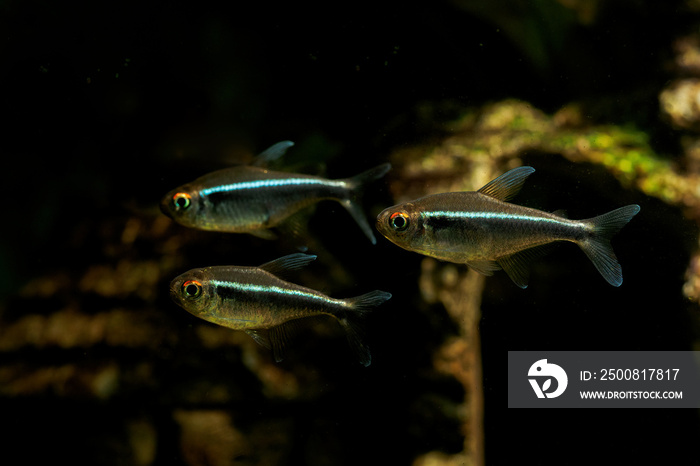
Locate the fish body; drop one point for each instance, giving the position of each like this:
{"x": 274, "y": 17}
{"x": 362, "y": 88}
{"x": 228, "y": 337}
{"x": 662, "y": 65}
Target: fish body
{"x": 258, "y": 301}
{"x": 253, "y": 199}
{"x": 484, "y": 231}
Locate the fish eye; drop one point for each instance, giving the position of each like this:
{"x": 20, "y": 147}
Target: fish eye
{"x": 182, "y": 201}
{"x": 192, "y": 289}
{"x": 398, "y": 221}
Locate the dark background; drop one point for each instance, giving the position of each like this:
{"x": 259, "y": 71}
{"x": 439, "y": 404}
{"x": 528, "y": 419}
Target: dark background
{"x": 107, "y": 107}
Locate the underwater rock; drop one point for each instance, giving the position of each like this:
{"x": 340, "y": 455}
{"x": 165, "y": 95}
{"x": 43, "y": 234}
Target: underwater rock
{"x": 459, "y": 290}
{"x": 680, "y": 102}
{"x": 72, "y": 381}
{"x": 208, "y": 437}
{"x": 687, "y": 54}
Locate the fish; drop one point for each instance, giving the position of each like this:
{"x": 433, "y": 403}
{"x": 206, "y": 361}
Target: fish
{"x": 252, "y": 199}
{"x": 260, "y": 302}
{"x": 487, "y": 233}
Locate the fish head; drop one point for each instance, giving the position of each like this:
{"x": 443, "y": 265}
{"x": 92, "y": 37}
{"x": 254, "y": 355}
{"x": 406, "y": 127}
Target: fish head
{"x": 401, "y": 224}
{"x": 194, "y": 292}
{"x": 182, "y": 205}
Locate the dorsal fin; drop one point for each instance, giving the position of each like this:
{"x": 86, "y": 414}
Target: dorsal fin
{"x": 508, "y": 184}
{"x": 280, "y": 267}
{"x": 273, "y": 152}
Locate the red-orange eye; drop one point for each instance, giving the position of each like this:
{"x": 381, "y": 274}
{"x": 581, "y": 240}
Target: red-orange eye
{"x": 398, "y": 221}
{"x": 192, "y": 289}
{"x": 181, "y": 201}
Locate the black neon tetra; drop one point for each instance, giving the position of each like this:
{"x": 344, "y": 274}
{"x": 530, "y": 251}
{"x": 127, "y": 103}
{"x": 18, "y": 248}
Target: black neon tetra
{"x": 252, "y": 199}
{"x": 483, "y": 230}
{"x": 266, "y": 307}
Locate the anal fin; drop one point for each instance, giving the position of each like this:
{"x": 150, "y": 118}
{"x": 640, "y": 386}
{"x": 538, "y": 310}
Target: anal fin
{"x": 276, "y": 338}
{"x": 517, "y": 265}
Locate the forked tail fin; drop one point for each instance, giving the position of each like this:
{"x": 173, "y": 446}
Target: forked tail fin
{"x": 352, "y": 325}
{"x": 597, "y": 246}
{"x": 355, "y": 186}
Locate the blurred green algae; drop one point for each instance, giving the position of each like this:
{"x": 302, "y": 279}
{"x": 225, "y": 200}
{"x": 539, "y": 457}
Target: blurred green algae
{"x": 499, "y": 134}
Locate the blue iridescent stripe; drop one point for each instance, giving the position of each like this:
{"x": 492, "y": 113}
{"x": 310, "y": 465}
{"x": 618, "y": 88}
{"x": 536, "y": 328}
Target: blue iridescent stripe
{"x": 272, "y": 183}
{"x": 499, "y": 216}
{"x": 273, "y": 289}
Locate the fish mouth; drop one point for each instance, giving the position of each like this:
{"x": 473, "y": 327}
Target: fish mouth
{"x": 164, "y": 206}
{"x": 381, "y": 223}
{"x": 174, "y": 287}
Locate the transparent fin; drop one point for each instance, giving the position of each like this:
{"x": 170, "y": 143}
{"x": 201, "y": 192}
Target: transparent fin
{"x": 357, "y": 338}
{"x": 516, "y": 268}
{"x": 507, "y": 185}
{"x": 279, "y": 337}
{"x": 484, "y": 267}
{"x": 260, "y": 336}
{"x": 354, "y": 330}
{"x": 273, "y": 152}
{"x": 280, "y": 267}
{"x": 357, "y": 213}
{"x": 597, "y": 246}
{"x": 368, "y": 301}
{"x": 294, "y": 230}
{"x": 355, "y": 186}
{"x": 517, "y": 265}
{"x": 264, "y": 234}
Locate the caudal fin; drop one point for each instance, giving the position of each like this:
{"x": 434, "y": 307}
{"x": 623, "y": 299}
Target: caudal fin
{"x": 350, "y": 321}
{"x": 355, "y": 186}
{"x": 597, "y": 246}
